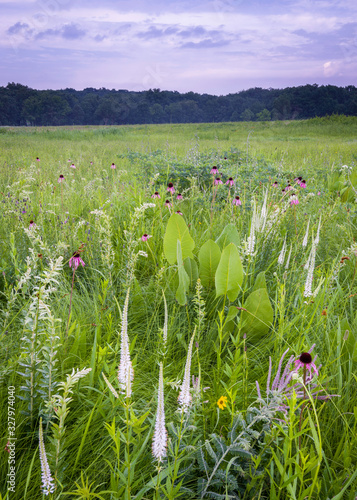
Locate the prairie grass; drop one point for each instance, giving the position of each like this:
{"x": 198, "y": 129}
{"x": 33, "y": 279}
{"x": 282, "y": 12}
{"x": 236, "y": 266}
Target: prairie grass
{"x": 198, "y": 274}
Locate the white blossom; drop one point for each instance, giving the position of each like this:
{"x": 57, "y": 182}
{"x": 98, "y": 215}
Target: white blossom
{"x": 125, "y": 372}
{"x": 304, "y": 241}
{"x": 288, "y": 259}
{"x": 48, "y": 485}
{"x": 185, "y": 395}
{"x": 159, "y": 442}
{"x": 317, "y": 239}
{"x": 310, "y": 272}
{"x": 281, "y": 257}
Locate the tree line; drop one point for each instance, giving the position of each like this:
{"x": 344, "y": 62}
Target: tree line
{"x": 21, "y": 105}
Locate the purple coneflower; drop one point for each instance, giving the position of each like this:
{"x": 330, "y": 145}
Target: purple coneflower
{"x": 275, "y": 184}
{"x": 76, "y": 260}
{"x": 113, "y": 166}
{"x": 230, "y": 182}
{"x": 170, "y": 188}
{"x": 156, "y": 195}
{"x": 294, "y": 199}
{"x": 73, "y": 165}
{"x": 179, "y": 196}
{"x": 217, "y": 181}
{"x": 288, "y": 187}
{"x": 61, "y": 178}
{"x": 32, "y": 224}
{"x": 37, "y": 158}
{"x": 305, "y": 361}
{"x": 178, "y": 212}
{"x": 236, "y": 201}
{"x": 168, "y": 204}
{"x": 214, "y": 170}
{"x": 145, "y": 237}
{"x": 303, "y": 184}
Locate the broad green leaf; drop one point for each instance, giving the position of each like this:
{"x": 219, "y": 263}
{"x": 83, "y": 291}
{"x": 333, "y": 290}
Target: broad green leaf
{"x": 177, "y": 230}
{"x": 260, "y": 281}
{"x": 228, "y": 235}
{"x": 191, "y": 269}
{"x": 259, "y": 314}
{"x": 229, "y": 274}
{"x": 208, "y": 257}
{"x": 184, "y": 280}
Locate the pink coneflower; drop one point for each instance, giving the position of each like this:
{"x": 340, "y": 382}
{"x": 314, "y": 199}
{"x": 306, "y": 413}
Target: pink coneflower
{"x": 275, "y": 184}
{"x": 145, "y": 237}
{"x": 32, "y": 224}
{"x": 178, "y": 212}
{"x": 168, "y": 204}
{"x": 156, "y": 195}
{"x": 179, "y": 196}
{"x": 305, "y": 361}
{"x": 76, "y": 260}
{"x": 170, "y": 188}
{"x": 91, "y": 162}
{"x": 61, "y": 178}
{"x": 113, "y": 166}
{"x": 288, "y": 187}
{"x": 303, "y": 184}
{"x": 72, "y": 166}
{"x": 217, "y": 181}
{"x": 230, "y": 182}
{"x": 37, "y": 158}
{"x": 236, "y": 201}
{"x": 214, "y": 170}
{"x": 294, "y": 199}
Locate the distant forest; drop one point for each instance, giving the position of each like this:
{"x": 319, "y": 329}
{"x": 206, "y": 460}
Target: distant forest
{"x": 21, "y": 105}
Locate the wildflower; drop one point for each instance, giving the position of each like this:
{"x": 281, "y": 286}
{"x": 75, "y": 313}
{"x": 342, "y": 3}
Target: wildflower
{"x": 178, "y": 212}
{"x": 294, "y": 199}
{"x": 179, "y": 196}
{"x": 111, "y": 388}
{"x": 217, "y": 181}
{"x": 37, "y": 158}
{"x": 145, "y": 237}
{"x": 310, "y": 272}
{"x": 304, "y": 241}
{"x": 214, "y": 170}
{"x": 317, "y": 239}
{"x": 303, "y": 184}
{"x": 168, "y": 204}
{"x": 230, "y": 182}
{"x": 47, "y": 481}
{"x": 185, "y": 396}
{"x": 298, "y": 180}
{"x": 76, "y": 260}
{"x": 281, "y": 257}
{"x": 275, "y": 184}
{"x": 222, "y": 402}
{"x": 305, "y": 361}
{"x": 61, "y": 178}
{"x": 32, "y": 224}
{"x": 156, "y": 195}
{"x": 288, "y": 187}
{"x": 288, "y": 259}
{"x": 170, "y": 188}
{"x": 236, "y": 201}
{"x": 159, "y": 442}
{"x": 251, "y": 239}
{"x": 125, "y": 371}
{"x": 72, "y": 165}
{"x": 113, "y": 166}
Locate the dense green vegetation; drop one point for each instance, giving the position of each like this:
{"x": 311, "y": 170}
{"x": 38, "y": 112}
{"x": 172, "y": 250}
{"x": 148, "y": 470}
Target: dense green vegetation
{"x": 221, "y": 292}
{"x": 21, "y": 105}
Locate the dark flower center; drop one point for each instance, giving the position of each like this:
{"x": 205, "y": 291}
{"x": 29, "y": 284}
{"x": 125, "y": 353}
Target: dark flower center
{"x": 156, "y": 192}
{"x": 305, "y": 358}
{"x": 170, "y": 185}
{"x": 76, "y": 255}
{"x": 145, "y": 235}
{"x": 31, "y": 221}
{"x": 61, "y": 176}
{"x": 237, "y": 198}
{"x": 218, "y": 179}
{"x": 304, "y": 181}
{"x": 230, "y": 179}
{"x": 167, "y": 201}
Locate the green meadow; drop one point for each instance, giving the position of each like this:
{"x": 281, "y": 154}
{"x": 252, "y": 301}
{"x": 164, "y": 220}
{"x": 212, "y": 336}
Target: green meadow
{"x": 178, "y": 311}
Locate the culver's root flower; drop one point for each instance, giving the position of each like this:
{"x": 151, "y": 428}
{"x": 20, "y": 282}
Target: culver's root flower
{"x": 48, "y": 485}
{"x": 222, "y": 402}
{"x": 159, "y": 442}
{"x": 125, "y": 371}
{"x": 304, "y": 241}
{"x": 185, "y": 397}
{"x": 281, "y": 257}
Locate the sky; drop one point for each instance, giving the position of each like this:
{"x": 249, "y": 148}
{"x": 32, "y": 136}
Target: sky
{"x": 211, "y": 46}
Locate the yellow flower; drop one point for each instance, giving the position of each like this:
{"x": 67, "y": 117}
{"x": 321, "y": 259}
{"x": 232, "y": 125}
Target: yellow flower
{"x": 222, "y": 402}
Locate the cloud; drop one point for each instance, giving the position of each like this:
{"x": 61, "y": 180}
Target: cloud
{"x": 72, "y": 32}
{"x": 205, "y": 44}
{"x": 17, "y": 28}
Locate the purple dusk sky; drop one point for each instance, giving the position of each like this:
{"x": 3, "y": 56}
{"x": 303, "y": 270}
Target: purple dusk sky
{"x": 216, "y": 47}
